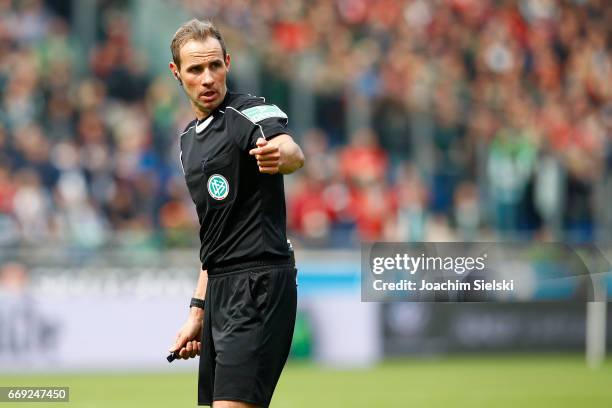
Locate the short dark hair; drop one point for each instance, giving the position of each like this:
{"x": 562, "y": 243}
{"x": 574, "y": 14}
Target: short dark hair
{"x": 194, "y": 30}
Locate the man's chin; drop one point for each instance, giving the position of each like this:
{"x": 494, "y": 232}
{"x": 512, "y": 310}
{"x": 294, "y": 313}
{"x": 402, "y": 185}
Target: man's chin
{"x": 208, "y": 106}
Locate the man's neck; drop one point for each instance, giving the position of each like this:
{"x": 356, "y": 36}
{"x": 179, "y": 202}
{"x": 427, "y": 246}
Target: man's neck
{"x": 200, "y": 114}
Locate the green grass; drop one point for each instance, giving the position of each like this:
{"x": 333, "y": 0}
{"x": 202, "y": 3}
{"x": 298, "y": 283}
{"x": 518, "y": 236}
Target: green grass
{"x": 491, "y": 382}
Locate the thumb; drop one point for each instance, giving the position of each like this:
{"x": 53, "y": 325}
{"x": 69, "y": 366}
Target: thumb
{"x": 261, "y": 142}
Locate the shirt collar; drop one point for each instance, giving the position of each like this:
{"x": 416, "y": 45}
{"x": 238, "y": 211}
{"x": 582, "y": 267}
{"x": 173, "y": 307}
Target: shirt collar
{"x": 201, "y": 126}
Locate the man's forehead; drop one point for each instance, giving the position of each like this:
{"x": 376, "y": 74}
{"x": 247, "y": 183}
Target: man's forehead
{"x": 198, "y": 49}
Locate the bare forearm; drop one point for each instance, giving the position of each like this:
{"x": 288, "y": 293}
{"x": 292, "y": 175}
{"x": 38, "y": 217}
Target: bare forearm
{"x": 200, "y": 291}
{"x": 292, "y": 157}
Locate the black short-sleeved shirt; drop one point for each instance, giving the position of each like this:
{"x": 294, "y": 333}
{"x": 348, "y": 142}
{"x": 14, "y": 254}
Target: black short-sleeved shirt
{"x": 241, "y": 211}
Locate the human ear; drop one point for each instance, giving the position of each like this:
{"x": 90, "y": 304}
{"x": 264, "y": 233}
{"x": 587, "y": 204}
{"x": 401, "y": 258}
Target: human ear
{"x": 174, "y": 70}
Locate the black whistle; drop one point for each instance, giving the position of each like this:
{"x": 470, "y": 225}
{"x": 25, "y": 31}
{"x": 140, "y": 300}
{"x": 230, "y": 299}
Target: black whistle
{"x": 172, "y": 356}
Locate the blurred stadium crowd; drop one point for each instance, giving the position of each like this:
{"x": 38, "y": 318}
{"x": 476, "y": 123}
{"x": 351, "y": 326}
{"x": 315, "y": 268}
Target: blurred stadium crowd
{"x": 485, "y": 119}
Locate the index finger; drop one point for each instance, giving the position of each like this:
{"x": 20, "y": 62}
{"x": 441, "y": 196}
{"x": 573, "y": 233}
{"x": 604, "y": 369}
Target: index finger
{"x": 266, "y": 149}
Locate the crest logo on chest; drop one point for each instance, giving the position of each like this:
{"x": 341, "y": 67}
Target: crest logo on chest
{"x": 218, "y": 187}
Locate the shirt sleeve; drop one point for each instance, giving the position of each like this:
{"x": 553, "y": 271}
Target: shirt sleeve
{"x": 264, "y": 119}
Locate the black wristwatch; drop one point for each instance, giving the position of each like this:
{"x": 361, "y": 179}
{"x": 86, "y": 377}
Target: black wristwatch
{"x": 197, "y": 303}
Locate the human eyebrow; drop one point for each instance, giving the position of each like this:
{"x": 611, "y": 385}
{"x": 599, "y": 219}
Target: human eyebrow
{"x": 194, "y": 68}
{"x": 198, "y": 67}
{"x": 216, "y": 63}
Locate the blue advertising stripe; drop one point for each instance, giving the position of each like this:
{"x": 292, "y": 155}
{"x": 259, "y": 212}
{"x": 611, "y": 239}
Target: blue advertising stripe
{"x": 323, "y": 277}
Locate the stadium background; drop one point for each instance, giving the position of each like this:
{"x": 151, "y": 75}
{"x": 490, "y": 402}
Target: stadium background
{"x": 448, "y": 120}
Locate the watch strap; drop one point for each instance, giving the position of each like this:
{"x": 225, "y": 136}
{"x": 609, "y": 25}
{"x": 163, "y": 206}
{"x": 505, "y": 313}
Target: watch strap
{"x": 197, "y": 303}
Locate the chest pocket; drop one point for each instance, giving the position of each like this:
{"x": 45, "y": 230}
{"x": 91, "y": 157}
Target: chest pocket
{"x": 220, "y": 180}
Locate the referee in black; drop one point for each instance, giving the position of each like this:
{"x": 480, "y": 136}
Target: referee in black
{"x": 234, "y": 155}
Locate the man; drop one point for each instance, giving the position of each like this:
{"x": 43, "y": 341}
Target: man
{"x": 234, "y": 155}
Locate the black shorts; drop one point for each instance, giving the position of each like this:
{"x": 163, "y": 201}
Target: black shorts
{"x": 247, "y": 333}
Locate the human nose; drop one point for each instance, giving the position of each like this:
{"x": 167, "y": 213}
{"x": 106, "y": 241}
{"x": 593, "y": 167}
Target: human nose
{"x": 207, "y": 78}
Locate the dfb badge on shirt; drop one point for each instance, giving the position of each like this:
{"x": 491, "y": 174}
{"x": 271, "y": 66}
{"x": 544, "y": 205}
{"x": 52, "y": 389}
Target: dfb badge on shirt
{"x": 218, "y": 187}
